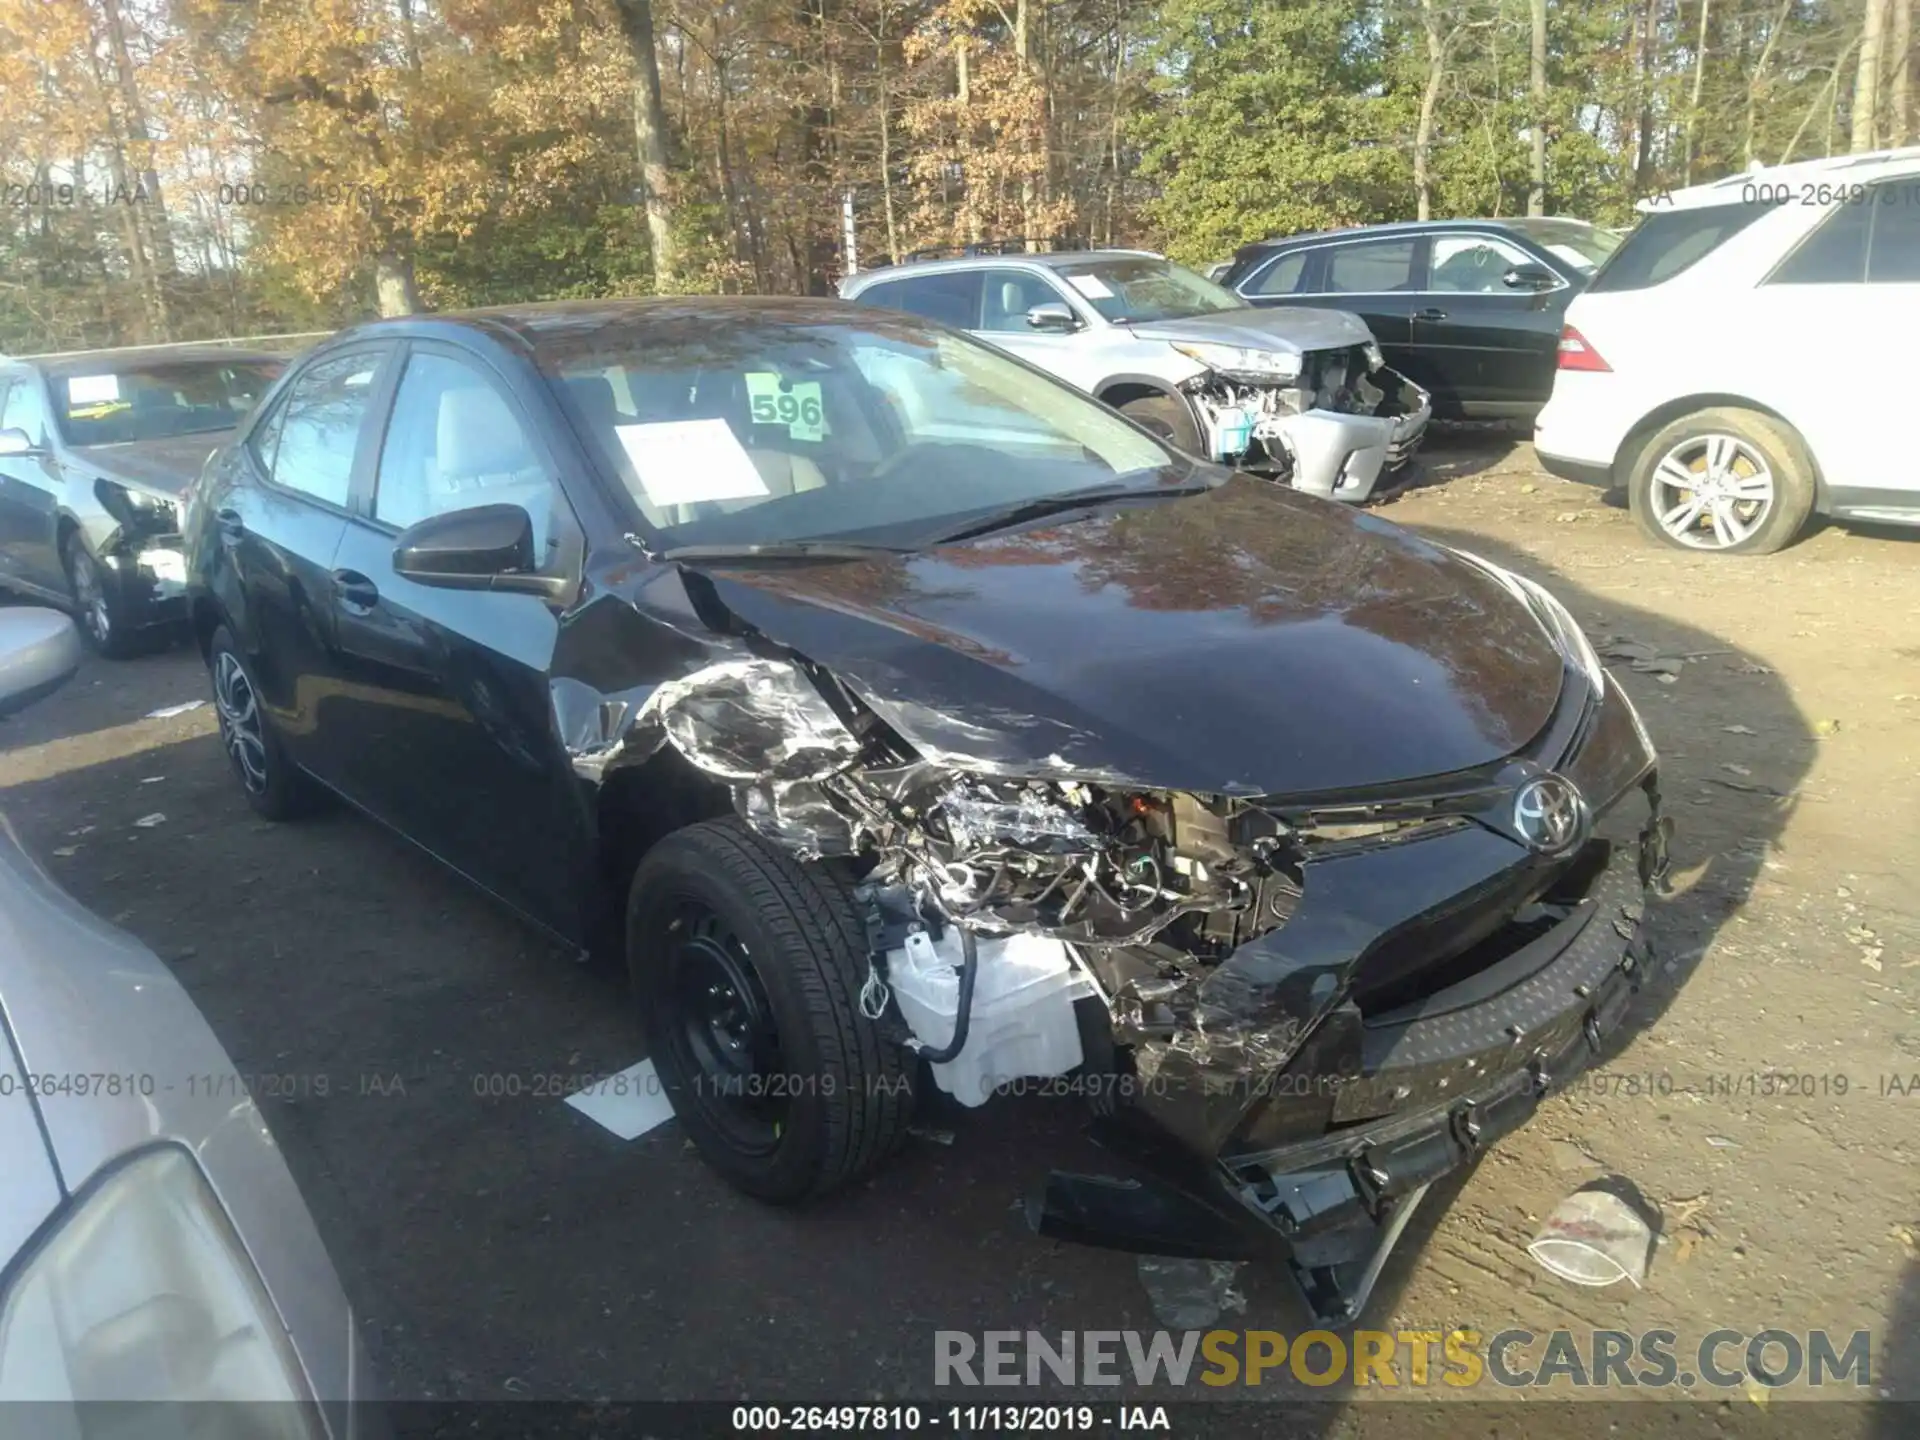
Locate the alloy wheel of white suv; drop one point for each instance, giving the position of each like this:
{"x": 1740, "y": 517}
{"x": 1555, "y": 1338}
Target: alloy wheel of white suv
{"x": 1723, "y": 479}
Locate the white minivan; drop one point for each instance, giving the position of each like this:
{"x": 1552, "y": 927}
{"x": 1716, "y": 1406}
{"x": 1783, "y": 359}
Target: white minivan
{"x": 1747, "y": 357}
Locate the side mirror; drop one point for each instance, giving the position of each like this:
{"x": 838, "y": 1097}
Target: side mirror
{"x": 39, "y": 651}
{"x": 14, "y": 441}
{"x": 1052, "y": 316}
{"x": 489, "y": 547}
{"x": 1530, "y": 277}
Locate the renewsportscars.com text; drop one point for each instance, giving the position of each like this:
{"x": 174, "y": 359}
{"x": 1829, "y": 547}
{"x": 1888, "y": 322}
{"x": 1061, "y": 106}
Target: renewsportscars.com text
{"x": 1459, "y": 1358}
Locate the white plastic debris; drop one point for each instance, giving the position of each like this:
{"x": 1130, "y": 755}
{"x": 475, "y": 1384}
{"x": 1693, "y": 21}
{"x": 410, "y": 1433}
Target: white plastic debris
{"x": 147, "y": 822}
{"x": 1593, "y": 1237}
{"x": 167, "y": 712}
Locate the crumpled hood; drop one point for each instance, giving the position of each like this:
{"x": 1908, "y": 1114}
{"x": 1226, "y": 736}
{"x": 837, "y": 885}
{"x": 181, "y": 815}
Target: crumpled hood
{"x": 1289, "y": 329}
{"x": 166, "y": 466}
{"x": 1244, "y": 641}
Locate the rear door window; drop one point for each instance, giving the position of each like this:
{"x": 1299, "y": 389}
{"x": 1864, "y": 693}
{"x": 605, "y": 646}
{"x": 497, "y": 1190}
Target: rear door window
{"x": 951, "y": 297}
{"x": 1834, "y": 254}
{"x": 1895, "y": 256}
{"x": 1667, "y": 242}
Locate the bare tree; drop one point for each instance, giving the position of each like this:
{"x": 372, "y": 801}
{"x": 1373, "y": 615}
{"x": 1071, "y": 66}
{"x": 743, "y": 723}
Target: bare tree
{"x": 1537, "y": 121}
{"x": 1440, "y": 41}
{"x": 1693, "y": 101}
{"x": 1866, "y": 76}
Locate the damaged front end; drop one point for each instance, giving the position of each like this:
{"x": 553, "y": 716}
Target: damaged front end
{"x": 1337, "y": 426}
{"x": 1293, "y": 1014}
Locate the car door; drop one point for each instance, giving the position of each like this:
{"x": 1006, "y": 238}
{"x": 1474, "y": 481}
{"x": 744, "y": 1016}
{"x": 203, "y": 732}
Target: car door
{"x": 1497, "y": 345}
{"x": 1006, "y": 297}
{"x": 1849, "y": 288}
{"x": 278, "y": 511}
{"x": 30, "y": 490}
{"x": 444, "y": 695}
{"x": 1375, "y": 279}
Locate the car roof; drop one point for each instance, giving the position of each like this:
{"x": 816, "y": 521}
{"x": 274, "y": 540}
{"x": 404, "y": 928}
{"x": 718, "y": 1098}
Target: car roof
{"x": 60, "y": 363}
{"x": 564, "y": 320}
{"x": 1861, "y": 169}
{"x": 1512, "y": 224}
{"x": 1045, "y": 260}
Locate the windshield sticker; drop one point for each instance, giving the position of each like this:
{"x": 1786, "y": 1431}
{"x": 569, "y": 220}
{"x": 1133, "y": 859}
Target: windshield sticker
{"x": 92, "y": 389}
{"x": 683, "y": 462}
{"x": 796, "y": 406}
{"x": 1091, "y": 286}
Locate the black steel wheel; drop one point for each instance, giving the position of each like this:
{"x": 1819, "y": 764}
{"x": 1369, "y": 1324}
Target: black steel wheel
{"x": 748, "y": 967}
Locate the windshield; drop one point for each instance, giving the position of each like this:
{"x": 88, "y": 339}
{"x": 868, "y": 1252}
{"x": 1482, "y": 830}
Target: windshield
{"x": 887, "y": 431}
{"x": 1585, "y": 247}
{"x": 115, "y": 404}
{"x": 1141, "y": 288}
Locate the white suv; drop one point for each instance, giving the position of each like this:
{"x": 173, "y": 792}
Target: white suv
{"x": 1745, "y": 358}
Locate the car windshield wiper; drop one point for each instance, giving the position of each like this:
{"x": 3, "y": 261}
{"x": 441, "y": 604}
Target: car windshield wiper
{"x": 775, "y": 550}
{"x": 1045, "y": 505}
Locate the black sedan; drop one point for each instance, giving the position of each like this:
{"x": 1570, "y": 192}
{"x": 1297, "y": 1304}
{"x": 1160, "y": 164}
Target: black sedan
{"x": 1470, "y": 310}
{"x": 95, "y": 449}
{"x": 911, "y": 720}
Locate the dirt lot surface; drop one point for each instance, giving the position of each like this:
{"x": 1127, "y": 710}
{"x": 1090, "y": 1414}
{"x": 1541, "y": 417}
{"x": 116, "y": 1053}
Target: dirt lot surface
{"x": 1767, "y": 1099}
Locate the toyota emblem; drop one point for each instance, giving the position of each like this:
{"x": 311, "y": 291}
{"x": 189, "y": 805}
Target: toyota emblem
{"x": 1549, "y": 814}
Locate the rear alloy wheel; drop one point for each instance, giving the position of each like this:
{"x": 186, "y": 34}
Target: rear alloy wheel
{"x": 274, "y": 786}
{"x": 1723, "y": 480}
{"x": 97, "y": 603}
{"x": 748, "y": 967}
{"x": 1169, "y": 417}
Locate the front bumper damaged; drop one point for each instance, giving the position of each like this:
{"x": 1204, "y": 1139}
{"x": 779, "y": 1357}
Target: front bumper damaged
{"x": 1319, "y": 1160}
{"x": 1340, "y": 431}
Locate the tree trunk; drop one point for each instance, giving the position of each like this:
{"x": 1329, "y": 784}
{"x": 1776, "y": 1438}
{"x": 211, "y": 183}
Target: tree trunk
{"x": 1866, "y": 77}
{"x": 1537, "y": 121}
{"x": 140, "y": 144}
{"x": 393, "y": 284}
{"x": 1693, "y": 102}
{"x": 650, "y": 140}
{"x": 1643, "y": 154}
{"x": 963, "y": 87}
{"x": 1429, "y": 102}
{"x": 1899, "y": 96}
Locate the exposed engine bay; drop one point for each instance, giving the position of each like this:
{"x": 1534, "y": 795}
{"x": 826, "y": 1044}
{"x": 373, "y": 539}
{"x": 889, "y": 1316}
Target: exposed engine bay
{"x": 1344, "y": 422}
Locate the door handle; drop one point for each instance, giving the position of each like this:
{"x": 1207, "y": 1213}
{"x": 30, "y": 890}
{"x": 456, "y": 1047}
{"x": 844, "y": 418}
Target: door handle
{"x": 229, "y": 523}
{"x": 356, "y": 593}
{"x": 1430, "y": 314}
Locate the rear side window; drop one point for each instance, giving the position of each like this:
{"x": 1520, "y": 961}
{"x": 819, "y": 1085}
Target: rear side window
{"x": 1668, "y": 241}
{"x": 1375, "y": 268}
{"x": 1282, "y": 277}
{"x": 1834, "y": 254}
{"x": 952, "y": 298}
{"x": 319, "y": 426}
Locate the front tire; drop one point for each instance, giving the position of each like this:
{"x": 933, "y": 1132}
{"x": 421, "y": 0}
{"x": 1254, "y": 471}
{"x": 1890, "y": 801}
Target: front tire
{"x": 1723, "y": 480}
{"x": 1169, "y": 417}
{"x": 97, "y": 603}
{"x": 275, "y": 787}
{"x": 748, "y": 967}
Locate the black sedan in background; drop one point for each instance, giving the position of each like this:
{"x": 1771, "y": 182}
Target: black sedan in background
{"x": 1470, "y": 310}
{"x": 812, "y": 653}
{"x": 95, "y": 448}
